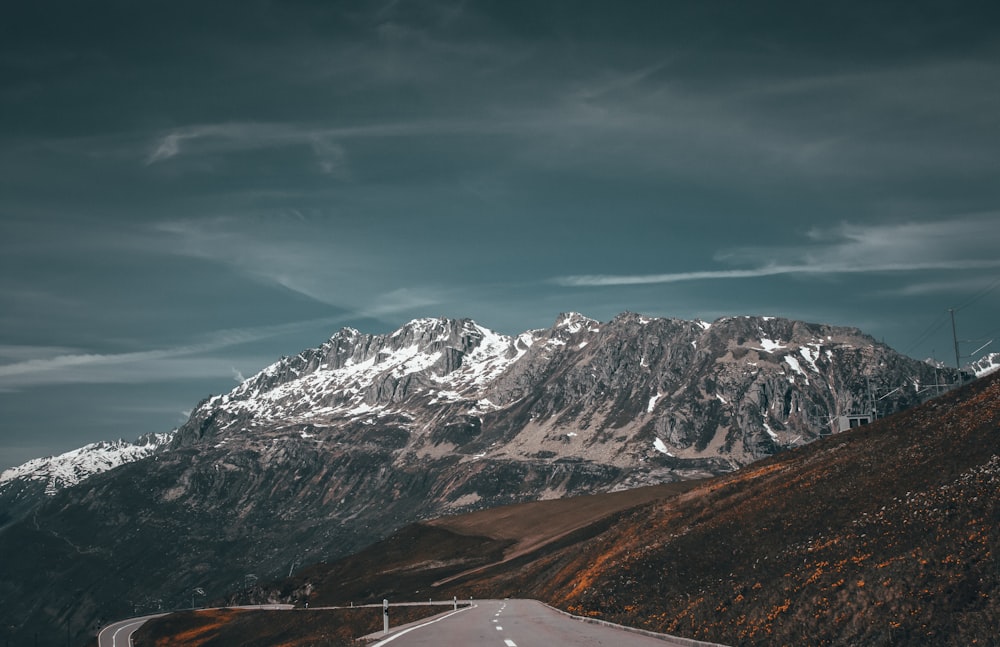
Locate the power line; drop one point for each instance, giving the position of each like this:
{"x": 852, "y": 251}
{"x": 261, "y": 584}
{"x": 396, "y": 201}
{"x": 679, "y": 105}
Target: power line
{"x": 991, "y": 333}
{"x": 927, "y": 333}
{"x": 979, "y": 295}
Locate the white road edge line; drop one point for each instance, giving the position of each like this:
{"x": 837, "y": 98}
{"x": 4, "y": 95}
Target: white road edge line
{"x": 114, "y": 636}
{"x": 406, "y": 631}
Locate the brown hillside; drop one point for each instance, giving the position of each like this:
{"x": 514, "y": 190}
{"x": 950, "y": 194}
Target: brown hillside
{"x": 886, "y": 535}
{"x": 433, "y": 559}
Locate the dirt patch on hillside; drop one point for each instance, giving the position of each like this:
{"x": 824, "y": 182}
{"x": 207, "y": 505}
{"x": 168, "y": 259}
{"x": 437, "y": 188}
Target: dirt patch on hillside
{"x": 530, "y": 526}
{"x": 533, "y": 524}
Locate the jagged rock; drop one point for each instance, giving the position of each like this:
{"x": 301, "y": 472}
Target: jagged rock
{"x": 326, "y": 451}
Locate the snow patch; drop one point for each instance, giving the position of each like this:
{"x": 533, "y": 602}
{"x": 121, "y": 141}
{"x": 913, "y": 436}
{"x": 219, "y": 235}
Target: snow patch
{"x": 770, "y": 345}
{"x": 985, "y": 365}
{"x": 811, "y": 355}
{"x": 794, "y": 363}
{"x": 661, "y": 447}
{"x": 72, "y": 467}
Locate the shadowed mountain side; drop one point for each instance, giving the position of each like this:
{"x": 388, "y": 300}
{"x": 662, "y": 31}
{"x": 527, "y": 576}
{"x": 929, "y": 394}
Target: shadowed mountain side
{"x": 884, "y": 535}
{"x": 419, "y": 560}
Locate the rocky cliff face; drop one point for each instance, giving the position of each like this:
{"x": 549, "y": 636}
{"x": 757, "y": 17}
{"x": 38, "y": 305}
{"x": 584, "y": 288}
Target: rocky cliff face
{"x": 322, "y": 453}
{"x": 635, "y": 393}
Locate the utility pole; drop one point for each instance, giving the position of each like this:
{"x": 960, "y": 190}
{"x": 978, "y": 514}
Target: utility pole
{"x": 954, "y": 337}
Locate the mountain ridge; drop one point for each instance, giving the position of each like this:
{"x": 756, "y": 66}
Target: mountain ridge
{"x": 505, "y": 351}
{"x": 883, "y": 535}
{"x": 326, "y": 451}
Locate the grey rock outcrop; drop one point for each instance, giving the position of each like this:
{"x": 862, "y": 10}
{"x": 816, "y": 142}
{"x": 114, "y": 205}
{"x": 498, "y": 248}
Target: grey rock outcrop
{"x": 329, "y": 450}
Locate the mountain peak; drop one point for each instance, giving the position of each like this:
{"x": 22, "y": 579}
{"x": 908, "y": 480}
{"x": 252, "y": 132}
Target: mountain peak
{"x": 72, "y": 467}
{"x": 574, "y": 322}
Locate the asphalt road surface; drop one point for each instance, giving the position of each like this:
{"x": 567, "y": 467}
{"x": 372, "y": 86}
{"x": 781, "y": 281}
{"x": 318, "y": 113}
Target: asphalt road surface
{"x": 119, "y": 634}
{"x": 515, "y": 623}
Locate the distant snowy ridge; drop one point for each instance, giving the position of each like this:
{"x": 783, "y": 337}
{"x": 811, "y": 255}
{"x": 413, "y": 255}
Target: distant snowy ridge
{"x": 714, "y": 394}
{"x": 354, "y": 375}
{"x": 985, "y": 365}
{"x": 65, "y": 470}
{"x": 628, "y": 394}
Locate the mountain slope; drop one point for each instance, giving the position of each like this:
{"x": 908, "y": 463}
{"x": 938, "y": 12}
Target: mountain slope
{"x": 22, "y": 487}
{"x": 887, "y": 535}
{"x": 620, "y": 393}
{"x": 879, "y": 536}
{"x": 322, "y": 453}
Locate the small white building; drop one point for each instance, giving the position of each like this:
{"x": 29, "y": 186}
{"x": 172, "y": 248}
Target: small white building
{"x": 853, "y": 420}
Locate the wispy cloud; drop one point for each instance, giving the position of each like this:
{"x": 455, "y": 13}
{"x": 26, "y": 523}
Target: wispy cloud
{"x": 236, "y": 137}
{"x": 856, "y": 126}
{"x": 209, "y": 138}
{"x": 957, "y": 286}
{"x": 366, "y": 278}
{"x": 95, "y": 368}
{"x": 37, "y": 366}
{"x": 963, "y": 244}
{"x": 400, "y": 301}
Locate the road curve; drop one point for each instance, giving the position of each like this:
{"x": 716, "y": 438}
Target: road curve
{"x": 119, "y": 634}
{"x": 519, "y": 623}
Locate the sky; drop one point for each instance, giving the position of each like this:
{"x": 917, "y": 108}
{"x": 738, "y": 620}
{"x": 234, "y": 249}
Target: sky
{"x": 191, "y": 190}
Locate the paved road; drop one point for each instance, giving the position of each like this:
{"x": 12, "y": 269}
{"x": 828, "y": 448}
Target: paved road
{"x": 515, "y": 623}
{"x": 119, "y": 634}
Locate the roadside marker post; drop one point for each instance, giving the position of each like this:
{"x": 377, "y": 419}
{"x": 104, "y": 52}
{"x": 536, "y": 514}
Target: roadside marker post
{"x": 385, "y": 616}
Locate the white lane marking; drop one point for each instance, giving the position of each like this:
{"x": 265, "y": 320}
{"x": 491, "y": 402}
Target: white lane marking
{"x": 499, "y": 628}
{"x": 114, "y": 636}
{"x": 406, "y": 631}
{"x": 510, "y": 643}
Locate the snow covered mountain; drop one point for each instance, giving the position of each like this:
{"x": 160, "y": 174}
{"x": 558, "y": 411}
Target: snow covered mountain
{"x": 629, "y": 393}
{"x": 985, "y": 365}
{"x": 324, "y": 452}
{"x": 56, "y": 472}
